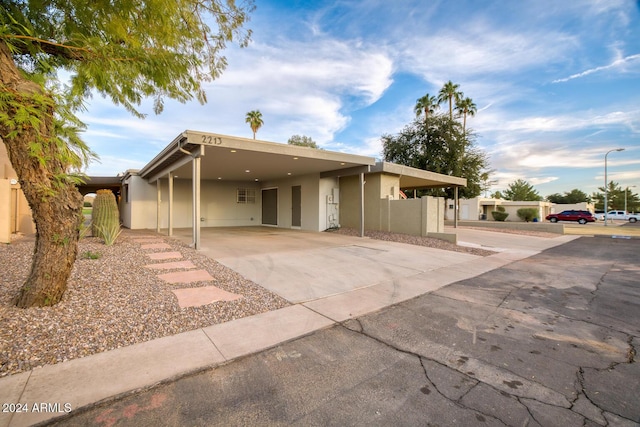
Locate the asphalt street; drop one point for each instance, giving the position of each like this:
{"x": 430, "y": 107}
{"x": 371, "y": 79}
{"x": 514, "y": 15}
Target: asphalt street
{"x": 549, "y": 340}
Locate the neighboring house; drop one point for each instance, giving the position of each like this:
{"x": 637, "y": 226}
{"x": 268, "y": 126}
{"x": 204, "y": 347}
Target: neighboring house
{"x": 211, "y": 180}
{"x": 480, "y": 208}
{"x": 584, "y": 206}
{"x": 15, "y": 214}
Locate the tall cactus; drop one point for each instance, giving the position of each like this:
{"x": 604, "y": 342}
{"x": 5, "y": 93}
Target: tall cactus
{"x": 105, "y": 219}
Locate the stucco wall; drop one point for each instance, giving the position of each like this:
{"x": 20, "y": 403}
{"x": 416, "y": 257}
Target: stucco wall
{"x": 350, "y": 202}
{"x": 473, "y": 209}
{"x": 138, "y": 206}
{"x": 383, "y": 211}
{"x": 584, "y": 206}
{"x": 417, "y": 217}
{"x": 16, "y": 213}
{"x": 219, "y": 206}
{"x": 5, "y": 211}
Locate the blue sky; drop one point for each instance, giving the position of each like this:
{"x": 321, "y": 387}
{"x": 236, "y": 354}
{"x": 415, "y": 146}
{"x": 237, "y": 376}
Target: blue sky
{"x": 556, "y": 84}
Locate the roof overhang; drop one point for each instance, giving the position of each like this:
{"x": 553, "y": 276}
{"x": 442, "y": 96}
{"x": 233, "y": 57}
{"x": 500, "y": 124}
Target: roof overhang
{"x": 92, "y": 184}
{"x": 413, "y": 178}
{"x": 231, "y": 158}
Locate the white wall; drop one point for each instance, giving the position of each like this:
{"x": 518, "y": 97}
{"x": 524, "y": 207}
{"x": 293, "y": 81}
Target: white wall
{"x": 584, "y": 206}
{"x": 138, "y": 204}
{"x": 218, "y": 204}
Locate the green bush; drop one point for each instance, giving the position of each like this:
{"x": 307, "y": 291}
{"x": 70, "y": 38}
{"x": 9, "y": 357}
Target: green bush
{"x": 500, "y": 208}
{"x": 528, "y": 214}
{"x": 87, "y": 204}
{"x": 110, "y": 233}
{"x": 499, "y": 216}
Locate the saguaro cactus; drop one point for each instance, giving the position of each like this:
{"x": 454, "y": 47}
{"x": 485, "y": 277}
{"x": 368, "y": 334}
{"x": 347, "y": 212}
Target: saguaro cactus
{"x": 105, "y": 219}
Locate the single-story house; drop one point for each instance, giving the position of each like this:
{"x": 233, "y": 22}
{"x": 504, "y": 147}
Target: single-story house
{"x": 210, "y": 180}
{"x": 480, "y": 208}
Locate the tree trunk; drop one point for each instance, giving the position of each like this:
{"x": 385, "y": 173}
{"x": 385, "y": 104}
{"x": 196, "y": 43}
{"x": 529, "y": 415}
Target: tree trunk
{"x": 55, "y": 202}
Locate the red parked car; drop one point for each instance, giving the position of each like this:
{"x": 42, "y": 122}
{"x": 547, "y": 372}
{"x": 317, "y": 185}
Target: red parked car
{"x": 582, "y": 217}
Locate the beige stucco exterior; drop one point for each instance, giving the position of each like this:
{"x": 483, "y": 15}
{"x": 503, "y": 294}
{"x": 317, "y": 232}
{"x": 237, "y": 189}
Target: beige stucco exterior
{"x": 480, "y": 208}
{"x": 384, "y": 211}
{"x": 584, "y": 206}
{"x": 15, "y": 213}
{"x": 219, "y": 204}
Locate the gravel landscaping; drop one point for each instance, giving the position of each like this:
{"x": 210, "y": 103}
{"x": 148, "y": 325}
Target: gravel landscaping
{"x": 114, "y": 301}
{"x": 111, "y": 302}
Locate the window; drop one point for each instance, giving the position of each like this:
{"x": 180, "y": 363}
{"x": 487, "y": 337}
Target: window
{"x": 245, "y": 195}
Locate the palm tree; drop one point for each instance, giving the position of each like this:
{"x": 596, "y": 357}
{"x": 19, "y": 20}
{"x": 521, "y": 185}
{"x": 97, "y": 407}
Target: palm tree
{"x": 427, "y": 105}
{"x": 465, "y": 107}
{"x": 254, "y": 118}
{"x": 449, "y": 93}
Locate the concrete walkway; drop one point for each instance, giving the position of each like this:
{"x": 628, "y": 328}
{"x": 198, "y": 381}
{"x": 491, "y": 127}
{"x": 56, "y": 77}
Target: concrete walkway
{"x": 293, "y": 265}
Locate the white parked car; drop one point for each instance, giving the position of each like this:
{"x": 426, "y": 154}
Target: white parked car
{"x": 611, "y": 215}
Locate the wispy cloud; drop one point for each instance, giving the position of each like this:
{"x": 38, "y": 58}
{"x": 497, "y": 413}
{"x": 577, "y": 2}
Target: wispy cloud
{"x": 618, "y": 63}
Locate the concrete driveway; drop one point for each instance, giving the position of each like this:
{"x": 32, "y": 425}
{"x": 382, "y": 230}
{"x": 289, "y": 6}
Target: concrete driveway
{"x": 305, "y": 266}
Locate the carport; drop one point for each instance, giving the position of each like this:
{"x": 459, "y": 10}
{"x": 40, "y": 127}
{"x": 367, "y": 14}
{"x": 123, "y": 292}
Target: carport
{"x": 199, "y": 156}
{"x": 203, "y": 180}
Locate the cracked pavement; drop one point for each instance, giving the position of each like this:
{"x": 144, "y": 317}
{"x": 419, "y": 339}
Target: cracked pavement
{"x": 549, "y": 340}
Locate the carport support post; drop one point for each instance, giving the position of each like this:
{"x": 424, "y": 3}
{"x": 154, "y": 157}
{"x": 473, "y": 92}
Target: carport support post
{"x": 170, "y": 225}
{"x": 455, "y": 207}
{"x": 158, "y": 201}
{"x": 196, "y": 202}
{"x": 362, "y": 205}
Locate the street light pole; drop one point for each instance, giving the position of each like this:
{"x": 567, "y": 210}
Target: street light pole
{"x": 605, "y": 183}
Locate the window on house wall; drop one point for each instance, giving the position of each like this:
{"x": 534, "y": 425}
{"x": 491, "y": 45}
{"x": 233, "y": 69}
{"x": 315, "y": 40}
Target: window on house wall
{"x": 126, "y": 193}
{"x": 245, "y": 195}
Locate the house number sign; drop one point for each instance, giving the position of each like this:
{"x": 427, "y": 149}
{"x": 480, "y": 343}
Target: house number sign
{"x": 211, "y": 140}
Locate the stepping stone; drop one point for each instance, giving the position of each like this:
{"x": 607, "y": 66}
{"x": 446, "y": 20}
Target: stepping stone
{"x": 171, "y": 265}
{"x": 156, "y": 246}
{"x": 196, "y": 297}
{"x": 186, "y": 276}
{"x": 164, "y": 255}
{"x": 148, "y": 240}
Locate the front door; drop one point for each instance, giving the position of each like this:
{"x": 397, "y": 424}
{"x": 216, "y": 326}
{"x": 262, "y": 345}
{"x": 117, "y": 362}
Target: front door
{"x": 296, "y": 206}
{"x": 270, "y": 206}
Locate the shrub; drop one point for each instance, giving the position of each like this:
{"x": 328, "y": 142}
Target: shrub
{"x": 499, "y": 216}
{"x": 528, "y": 214}
{"x": 110, "y": 233}
{"x": 87, "y": 204}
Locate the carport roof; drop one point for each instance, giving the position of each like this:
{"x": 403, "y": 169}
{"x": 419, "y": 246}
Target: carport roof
{"x": 412, "y": 178}
{"x": 231, "y": 158}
